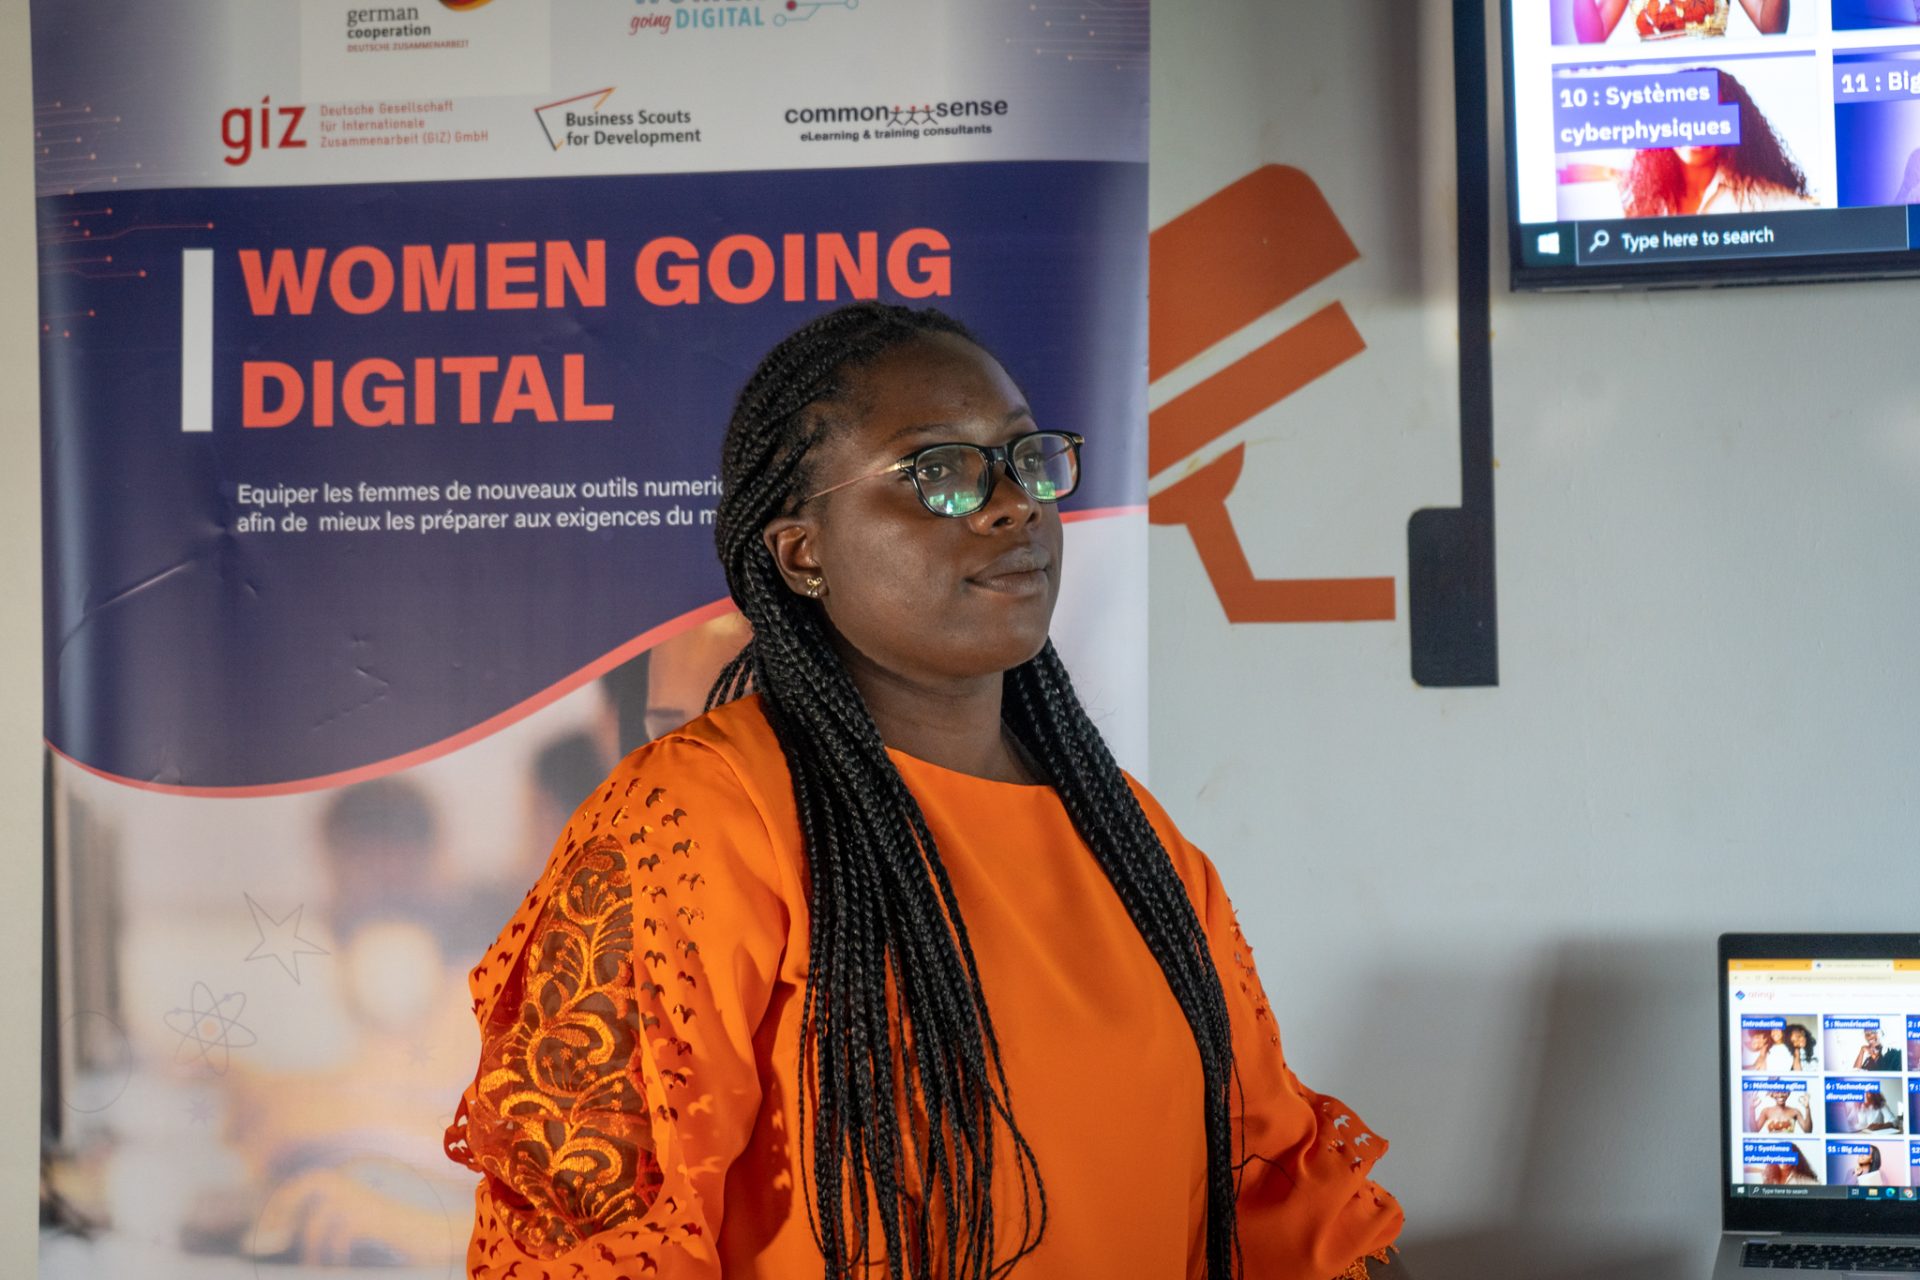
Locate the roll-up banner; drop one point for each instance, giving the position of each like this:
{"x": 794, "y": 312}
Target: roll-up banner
{"x": 386, "y": 352}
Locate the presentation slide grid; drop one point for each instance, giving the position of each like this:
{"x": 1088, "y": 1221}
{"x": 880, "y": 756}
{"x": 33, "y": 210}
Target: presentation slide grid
{"x": 1824, "y": 1091}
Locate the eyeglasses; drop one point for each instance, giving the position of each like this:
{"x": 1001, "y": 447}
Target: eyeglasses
{"x": 957, "y": 479}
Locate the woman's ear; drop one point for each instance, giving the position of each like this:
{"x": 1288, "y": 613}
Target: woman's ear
{"x": 791, "y": 541}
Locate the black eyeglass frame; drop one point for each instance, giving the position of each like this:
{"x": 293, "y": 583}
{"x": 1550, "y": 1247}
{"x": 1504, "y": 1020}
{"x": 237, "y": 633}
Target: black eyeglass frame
{"x": 1002, "y": 453}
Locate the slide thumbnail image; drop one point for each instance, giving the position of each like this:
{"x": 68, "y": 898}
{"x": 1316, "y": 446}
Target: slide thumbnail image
{"x": 1863, "y": 1042}
{"x": 1660, "y": 139}
{"x": 1863, "y": 15}
{"x": 1632, "y": 22}
{"x": 1876, "y": 127}
{"x": 1863, "y": 1104}
{"x": 1868, "y": 1164}
{"x": 1779, "y": 1163}
{"x": 1777, "y": 1104}
{"x": 1779, "y": 1042}
{"x": 1913, "y": 1041}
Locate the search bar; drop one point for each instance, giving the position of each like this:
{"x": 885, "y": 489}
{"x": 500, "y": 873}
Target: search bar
{"x": 1854, "y": 977}
{"x": 1734, "y": 236}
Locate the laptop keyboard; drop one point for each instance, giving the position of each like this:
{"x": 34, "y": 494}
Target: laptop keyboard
{"x": 1830, "y": 1257}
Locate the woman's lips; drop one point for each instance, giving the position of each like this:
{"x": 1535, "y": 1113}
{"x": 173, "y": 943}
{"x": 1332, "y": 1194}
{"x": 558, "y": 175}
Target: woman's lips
{"x": 1032, "y": 582}
{"x": 1022, "y": 571}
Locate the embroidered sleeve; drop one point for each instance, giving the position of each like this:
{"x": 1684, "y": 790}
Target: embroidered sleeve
{"x": 1307, "y": 1206}
{"x": 617, "y": 1077}
{"x": 1358, "y": 1271}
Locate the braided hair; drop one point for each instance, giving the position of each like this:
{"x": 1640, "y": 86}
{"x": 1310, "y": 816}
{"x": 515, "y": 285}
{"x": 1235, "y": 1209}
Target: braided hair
{"x": 888, "y": 944}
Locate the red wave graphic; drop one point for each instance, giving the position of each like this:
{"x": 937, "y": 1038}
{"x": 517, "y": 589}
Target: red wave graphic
{"x": 492, "y": 724}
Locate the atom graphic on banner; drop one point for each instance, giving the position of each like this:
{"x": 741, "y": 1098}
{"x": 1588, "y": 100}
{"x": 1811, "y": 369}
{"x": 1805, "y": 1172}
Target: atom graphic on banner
{"x": 211, "y": 1027}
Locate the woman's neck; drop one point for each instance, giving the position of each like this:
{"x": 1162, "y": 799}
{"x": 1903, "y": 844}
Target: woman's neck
{"x": 953, "y": 724}
{"x": 1697, "y": 178}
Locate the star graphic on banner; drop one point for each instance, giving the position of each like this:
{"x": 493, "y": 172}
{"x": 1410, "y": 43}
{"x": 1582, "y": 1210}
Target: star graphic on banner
{"x": 280, "y": 939}
{"x": 211, "y": 1024}
{"x": 200, "y": 1110}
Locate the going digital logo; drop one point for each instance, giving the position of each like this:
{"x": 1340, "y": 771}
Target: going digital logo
{"x": 711, "y": 15}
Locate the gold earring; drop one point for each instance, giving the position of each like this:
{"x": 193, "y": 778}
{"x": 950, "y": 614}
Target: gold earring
{"x": 815, "y": 586}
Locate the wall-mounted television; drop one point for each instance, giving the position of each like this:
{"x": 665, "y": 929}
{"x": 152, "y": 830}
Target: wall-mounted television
{"x": 1688, "y": 142}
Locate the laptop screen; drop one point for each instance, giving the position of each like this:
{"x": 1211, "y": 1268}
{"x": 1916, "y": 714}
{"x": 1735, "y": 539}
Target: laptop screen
{"x": 1821, "y": 1045}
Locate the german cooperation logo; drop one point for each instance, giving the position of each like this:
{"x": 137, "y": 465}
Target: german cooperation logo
{"x": 874, "y": 123}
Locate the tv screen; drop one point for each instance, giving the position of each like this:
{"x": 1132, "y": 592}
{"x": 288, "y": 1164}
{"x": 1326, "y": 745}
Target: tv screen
{"x": 1677, "y": 142}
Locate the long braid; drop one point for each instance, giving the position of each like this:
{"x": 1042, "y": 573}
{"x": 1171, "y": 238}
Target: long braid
{"x": 887, "y": 932}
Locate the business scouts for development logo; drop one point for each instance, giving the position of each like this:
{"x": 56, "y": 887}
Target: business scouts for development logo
{"x": 584, "y": 120}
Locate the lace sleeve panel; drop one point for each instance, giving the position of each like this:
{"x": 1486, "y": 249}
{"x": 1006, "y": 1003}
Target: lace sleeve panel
{"x": 1360, "y": 1270}
{"x": 617, "y": 1077}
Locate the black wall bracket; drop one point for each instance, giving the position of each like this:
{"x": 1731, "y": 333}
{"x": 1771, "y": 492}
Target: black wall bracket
{"x": 1452, "y": 616}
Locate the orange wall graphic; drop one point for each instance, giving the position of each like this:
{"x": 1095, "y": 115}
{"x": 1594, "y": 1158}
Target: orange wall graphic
{"x": 1234, "y": 257}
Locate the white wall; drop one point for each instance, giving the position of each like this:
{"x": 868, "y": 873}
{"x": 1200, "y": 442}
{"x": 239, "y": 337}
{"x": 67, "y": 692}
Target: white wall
{"x": 1487, "y": 918}
{"x": 19, "y": 657}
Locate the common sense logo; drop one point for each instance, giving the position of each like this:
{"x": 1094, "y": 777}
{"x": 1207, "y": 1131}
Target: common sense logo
{"x": 899, "y": 117}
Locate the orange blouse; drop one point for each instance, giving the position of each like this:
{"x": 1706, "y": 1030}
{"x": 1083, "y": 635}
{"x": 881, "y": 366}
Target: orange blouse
{"x": 633, "y": 1112}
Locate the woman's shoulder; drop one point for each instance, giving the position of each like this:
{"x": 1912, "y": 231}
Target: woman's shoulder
{"x": 1195, "y": 869}
{"x": 729, "y": 747}
{"x": 719, "y": 780}
{"x": 1760, "y": 196}
{"x": 732, "y": 751}
{"x": 738, "y": 732}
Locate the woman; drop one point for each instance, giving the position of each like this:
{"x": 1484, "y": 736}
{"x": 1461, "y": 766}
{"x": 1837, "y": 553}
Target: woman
{"x": 1872, "y": 1114}
{"x": 1799, "y": 1173}
{"x": 886, "y": 960}
{"x": 1875, "y": 1056}
{"x": 1800, "y": 1046}
{"x": 1592, "y": 21}
{"x": 1779, "y": 1055}
{"x": 1755, "y": 176}
{"x": 1781, "y": 1116}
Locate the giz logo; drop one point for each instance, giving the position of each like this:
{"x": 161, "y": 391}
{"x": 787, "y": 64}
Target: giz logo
{"x": 245, "y": 128}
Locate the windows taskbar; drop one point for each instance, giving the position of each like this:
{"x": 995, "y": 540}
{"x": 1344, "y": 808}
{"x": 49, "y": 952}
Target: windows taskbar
{"x": 1886, "y": 1195}
{"x": 1720, "y": 237}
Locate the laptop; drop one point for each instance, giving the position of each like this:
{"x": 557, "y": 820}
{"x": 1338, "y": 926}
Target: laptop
{"x": 1819, "y": 1149}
